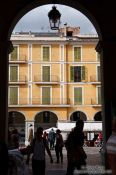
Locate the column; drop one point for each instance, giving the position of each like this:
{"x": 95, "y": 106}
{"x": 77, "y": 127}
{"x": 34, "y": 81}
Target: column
{"x": 28, "y": 124}
{"x": 5, "y": 49}
{"x": 107, "y": 50}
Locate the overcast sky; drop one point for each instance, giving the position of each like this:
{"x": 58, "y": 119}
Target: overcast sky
{"x": 37, "y": 20}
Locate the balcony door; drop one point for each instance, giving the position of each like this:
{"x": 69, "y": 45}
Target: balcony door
{"x": 14, "y": 54}
{"x": 46, "y": 73}
{"x": 13, "y": 73}
{"x": 46, "y": 95}
{"x": 13, "y": 95}
{"x": 77, "y": 95}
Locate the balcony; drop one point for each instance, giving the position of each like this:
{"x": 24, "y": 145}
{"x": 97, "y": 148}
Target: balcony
{"x": 21, "y": 80}
{"x": 48, "y": 80}
{"x": 96, "y": 102}
{"x": 23, "y": 59}
{"x": 95, "y": 80}
{"x": 37, "y": 102}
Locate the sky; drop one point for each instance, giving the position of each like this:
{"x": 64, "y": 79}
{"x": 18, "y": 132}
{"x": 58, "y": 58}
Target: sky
{"x": 37, "y": 20}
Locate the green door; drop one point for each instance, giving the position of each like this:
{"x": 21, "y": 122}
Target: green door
{"x": 13, "y": 95}
{"x": 45, "y": 95}
{"x": 13, "y": 73}
{"x": 46, "y": 73}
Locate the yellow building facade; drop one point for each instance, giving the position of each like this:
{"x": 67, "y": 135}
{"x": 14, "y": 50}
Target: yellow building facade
{"x": 53, "y": 78}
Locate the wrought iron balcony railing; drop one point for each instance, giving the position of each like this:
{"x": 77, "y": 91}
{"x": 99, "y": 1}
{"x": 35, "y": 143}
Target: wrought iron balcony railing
{"x": 21, "y": 59}
{"x": 38, "y": 101}
{"x": 46, "y": 79}
{"x": 95, "y": 79}
{"x": 21, "y": 79}
{"x": 54, "y": 101}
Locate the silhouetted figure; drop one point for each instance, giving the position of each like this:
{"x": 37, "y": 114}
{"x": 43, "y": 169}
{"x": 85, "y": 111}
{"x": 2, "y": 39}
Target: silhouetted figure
{"x": 74, "y": 145}
{"x": 14, "y": 139}
{"x": 38, "y": 159}
{"x": 59, "y": 146}
{"x": 51, "y": 138}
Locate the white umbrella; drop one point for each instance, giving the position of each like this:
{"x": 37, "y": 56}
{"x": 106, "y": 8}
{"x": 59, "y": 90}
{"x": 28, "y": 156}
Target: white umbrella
{"x": 49, "y": 129}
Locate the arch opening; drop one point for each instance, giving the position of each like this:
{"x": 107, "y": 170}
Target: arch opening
{"x": 46, "y": 119}
{"x": 78, "y": 115}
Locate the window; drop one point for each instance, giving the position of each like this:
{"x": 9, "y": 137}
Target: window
{"x": 46, "y": 73}
{"x": 99, "y": 94}
{"x": 14, "y": 54}
{"x": 13, "y": 73}
{"x": 77, "y": 54}
{"x": 77, "y": 95}
{"x": 98, "y": 73}
{"x": 13, "y": 95}
{"x": 78, "y": 73}
{"x": 46, "y": 53}
{"x": 98, "y": 56}
{"x": 45, "y": 95}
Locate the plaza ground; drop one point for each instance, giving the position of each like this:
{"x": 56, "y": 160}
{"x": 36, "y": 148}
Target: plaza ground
{"x": 94, "y": 163}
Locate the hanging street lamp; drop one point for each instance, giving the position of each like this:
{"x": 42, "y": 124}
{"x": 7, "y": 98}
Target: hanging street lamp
{"x": 54, "y": 18}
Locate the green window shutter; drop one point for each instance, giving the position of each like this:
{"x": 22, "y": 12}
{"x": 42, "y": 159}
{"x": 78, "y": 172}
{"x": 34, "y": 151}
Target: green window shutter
{"x": 99, "y": 95}
{"x": 72, "y": 73}
{"x": 46, "y": 73}
{"x": 98, "y": 56}
{"x": 46, "y": 95}
{"x": 78, "y": 96}
{"x": 77, "y": 54}
{"x": 98, "y": 73}
{"x": 14, "y": 54}
{"x": 13, "y": 73}
{"x": 84, "y": 73}
{"x": 46, "y": 53}
{"x": 13, "y": 95}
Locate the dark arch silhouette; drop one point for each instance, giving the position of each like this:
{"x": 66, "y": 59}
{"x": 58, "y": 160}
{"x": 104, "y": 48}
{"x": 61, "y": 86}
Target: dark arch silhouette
{"x": 46, "y": 119}
{"x": 98, "y": 116}
{"x": 78, "y": 115}
{"x": 16, "y": 119}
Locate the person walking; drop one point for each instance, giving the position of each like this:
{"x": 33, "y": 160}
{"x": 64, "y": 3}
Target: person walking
{"x": 51, "y": 138}
{"x": 30, "y": 139}
{"x": 76, "y": 155}
{"x": 39, "y": 146}
{"x": 59, "y": 146}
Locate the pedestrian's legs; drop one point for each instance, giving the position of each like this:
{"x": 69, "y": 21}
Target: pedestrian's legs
{"x": 57, "y": 154}
{"x": 38, "y": 167}
{"x": 70, "y": 168}
{"x": 61, "y": 154}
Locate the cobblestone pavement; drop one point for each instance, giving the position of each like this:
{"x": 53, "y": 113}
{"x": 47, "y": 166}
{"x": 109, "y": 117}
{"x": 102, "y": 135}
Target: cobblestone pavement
{"x": 94, "y": 163}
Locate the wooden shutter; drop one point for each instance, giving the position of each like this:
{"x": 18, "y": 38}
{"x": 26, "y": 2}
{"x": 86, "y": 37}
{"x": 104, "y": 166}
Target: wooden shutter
{"x": 78, "y": 96}
{"x": 77, "y": 54}
{"x": 72, "y": 73}
{"x": 99, "y": 95}
{"x": 14, "y": 54}
{"x": 13, "y": 95}
{"x": 45, "y": 95}
{"x": 46, "y": 73}
{"x": 98, "y": 73}
{"x": 46, "y": 54}
{"x": 13, "y": 73}
{"x": 84, "y": 74}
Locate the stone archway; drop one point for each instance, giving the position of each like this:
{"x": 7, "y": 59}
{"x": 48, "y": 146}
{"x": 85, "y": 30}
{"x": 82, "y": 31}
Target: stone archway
{"x": 98, "y": 116}
{"x": 46, "y": 119}
{"x": 78, "y": 115}
{"x": 16, "y": 120}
